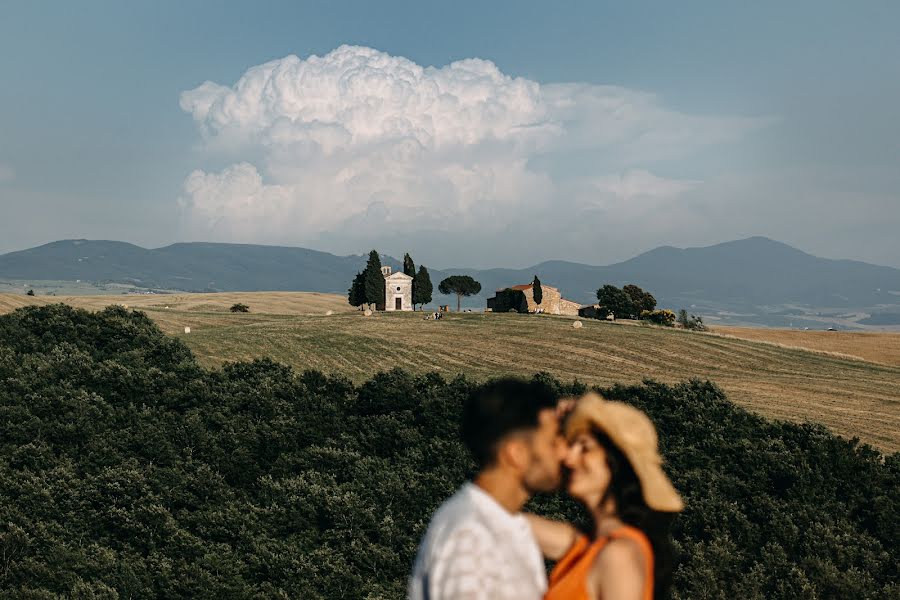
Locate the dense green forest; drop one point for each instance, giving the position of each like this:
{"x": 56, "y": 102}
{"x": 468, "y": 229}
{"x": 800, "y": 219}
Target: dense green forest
{"x": 128, "y": 471}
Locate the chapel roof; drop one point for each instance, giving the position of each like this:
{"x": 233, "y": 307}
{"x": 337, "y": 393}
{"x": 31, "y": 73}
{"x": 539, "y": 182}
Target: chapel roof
{"x": 398, "y": 274}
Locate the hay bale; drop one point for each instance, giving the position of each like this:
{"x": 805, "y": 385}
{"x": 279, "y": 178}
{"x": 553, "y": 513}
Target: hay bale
{"x": 367, "y": 313}
{"x": 577, "y": 324}
{"x": 187, "y": 329}
{"x": 328, "y": 313}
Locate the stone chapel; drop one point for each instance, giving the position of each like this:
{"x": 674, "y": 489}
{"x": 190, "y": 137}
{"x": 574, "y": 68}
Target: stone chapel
{"x": 397, "y": 290}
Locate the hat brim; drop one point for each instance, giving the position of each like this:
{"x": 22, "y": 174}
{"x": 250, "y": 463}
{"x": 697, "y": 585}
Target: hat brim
{"x": 593, "y": 411}
{"x": 658, "y": 491}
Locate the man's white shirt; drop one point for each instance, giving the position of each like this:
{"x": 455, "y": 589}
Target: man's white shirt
{"x": 475, "y": 549}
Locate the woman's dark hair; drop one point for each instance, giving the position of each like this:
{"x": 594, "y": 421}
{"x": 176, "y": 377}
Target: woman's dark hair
{"x": 625, "y": 490}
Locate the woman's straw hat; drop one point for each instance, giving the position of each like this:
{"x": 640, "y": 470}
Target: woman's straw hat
{"x": 632, "y": 433}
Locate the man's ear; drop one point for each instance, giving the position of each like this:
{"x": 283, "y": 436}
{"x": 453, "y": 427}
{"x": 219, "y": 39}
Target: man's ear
{"x": 515, "y": 453}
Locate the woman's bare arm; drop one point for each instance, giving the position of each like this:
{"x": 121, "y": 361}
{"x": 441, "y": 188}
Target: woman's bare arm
{"x": 553, "y": 537}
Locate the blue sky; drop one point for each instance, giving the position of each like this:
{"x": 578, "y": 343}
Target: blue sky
{"x": 742, "y": 120}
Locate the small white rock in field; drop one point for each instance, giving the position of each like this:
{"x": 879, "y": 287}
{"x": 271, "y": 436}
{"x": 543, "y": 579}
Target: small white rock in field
{"x": 187, "y": 329}
{"x": 367, "y": 313}
{"x": 577, "y": 324}
{"x": 328, "y": 313}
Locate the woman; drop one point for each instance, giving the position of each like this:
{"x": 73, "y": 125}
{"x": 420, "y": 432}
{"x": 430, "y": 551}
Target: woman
{"x": 615, "y": 472}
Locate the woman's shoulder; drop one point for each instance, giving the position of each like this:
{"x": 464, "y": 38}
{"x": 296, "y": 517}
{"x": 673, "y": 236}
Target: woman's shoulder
{"x": 631, "y": 542}
{"x": 624, "y": 559}
{"x": 620, "y": 551}
{"x": 631, "y": 533}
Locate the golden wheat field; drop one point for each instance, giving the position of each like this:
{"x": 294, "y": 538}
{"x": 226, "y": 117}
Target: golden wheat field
{"x": 280, "y": 303}
{"x": 851, "y": 396}
{"x": 872, "y": 346}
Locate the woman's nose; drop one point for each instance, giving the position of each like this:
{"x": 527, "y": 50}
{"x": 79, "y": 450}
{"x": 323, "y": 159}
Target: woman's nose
{"x": 571, "y": 456}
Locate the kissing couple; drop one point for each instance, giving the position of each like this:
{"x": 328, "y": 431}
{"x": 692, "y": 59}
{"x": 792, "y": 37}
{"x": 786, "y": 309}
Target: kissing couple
{"x": 480, "y": 545}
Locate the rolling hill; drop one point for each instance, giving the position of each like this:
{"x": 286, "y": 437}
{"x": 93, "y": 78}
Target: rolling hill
{"x": 759, "y": 279}
{"x": 851, "y": 396}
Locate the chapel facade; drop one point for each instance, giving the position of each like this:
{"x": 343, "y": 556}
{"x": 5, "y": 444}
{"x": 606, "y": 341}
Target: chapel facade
{"x": 397, "y": 290}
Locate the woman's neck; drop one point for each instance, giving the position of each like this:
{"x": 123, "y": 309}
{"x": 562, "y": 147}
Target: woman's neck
{"x": 606, "y": 519}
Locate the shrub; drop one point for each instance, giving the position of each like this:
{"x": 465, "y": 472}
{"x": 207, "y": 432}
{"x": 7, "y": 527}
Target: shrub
{"x": 694, "y": 322}
{"x": 661, "y": 317}
{"x": 236, "y": 308}
{"x": 594, "y": 312}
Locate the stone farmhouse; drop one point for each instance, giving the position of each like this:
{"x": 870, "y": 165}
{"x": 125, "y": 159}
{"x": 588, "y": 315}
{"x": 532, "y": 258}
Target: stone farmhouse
{"x": 552, "y": 301}
{"x": 397, "y": 290}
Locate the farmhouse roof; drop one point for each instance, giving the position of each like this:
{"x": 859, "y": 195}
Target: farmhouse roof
{"x": 525, "y": 286}
{"x": 522, "y": 287}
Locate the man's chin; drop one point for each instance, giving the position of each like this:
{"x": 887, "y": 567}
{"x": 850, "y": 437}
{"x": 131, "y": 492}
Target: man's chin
{"x": 556, "y": 486}
{"x": 546, "y": 487}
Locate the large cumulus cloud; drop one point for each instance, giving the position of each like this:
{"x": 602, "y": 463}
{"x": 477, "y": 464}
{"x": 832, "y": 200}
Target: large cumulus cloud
{"x": 361, "y": 146}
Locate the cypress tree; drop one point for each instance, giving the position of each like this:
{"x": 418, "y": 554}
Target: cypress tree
{"x": 422, "y": 287}
{"x": 374, "y": 281}
{"x": 409, "y": 268}
{"x": 537, "y": 291}
{"x": 356, "y": 295}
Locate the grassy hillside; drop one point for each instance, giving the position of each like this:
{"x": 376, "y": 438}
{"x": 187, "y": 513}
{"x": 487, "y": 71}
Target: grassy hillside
{"x": 852, "y": 397}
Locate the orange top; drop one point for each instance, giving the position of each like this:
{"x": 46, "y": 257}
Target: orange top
{"x": 568, "y": 580}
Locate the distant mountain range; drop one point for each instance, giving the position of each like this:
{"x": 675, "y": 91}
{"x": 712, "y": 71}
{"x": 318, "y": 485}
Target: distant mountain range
{"x": 753, "y": 276}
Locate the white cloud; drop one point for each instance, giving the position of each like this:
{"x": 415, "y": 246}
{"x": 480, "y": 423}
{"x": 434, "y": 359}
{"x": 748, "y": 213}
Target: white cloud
{"x": 355, "y": 97}
{"x": 7, "y": 173}
{"x": 358, "y": 139}
{"x": 217, "y": 198}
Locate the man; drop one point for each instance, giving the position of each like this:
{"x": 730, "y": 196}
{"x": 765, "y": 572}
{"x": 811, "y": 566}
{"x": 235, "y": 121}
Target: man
{"x": 478, "y": 545}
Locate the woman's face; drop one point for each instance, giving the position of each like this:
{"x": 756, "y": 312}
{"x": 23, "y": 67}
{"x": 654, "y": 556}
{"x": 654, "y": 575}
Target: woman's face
{"x": 589, "y": 474}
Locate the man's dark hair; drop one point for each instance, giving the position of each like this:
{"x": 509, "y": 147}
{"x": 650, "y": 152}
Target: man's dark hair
{"x": 499, "y": 408}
